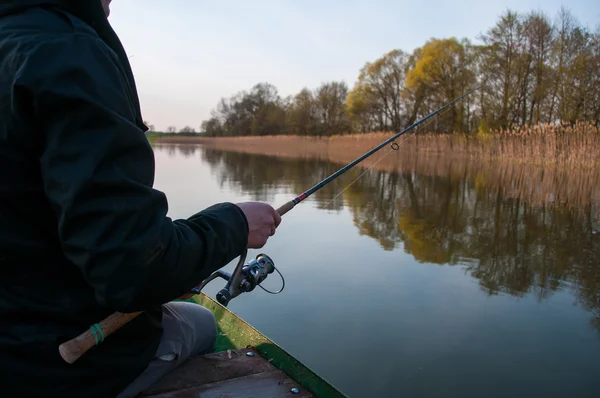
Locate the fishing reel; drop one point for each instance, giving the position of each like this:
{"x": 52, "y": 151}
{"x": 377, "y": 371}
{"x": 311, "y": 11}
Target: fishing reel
{"x": 245, "y": 278}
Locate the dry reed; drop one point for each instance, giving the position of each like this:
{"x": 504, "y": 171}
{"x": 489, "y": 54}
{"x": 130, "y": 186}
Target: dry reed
{"x": 543, "y": 144}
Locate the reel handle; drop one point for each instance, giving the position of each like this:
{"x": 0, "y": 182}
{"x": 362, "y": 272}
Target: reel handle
{"x": 223, "y": 297}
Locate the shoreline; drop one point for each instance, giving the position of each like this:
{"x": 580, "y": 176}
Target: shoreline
{"x": 577, "y": 146}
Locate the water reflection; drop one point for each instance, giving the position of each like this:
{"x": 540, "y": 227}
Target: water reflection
{"x": 517, "y": 230}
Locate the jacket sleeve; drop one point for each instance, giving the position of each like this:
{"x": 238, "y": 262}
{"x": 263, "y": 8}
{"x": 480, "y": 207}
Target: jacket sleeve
{"x": 98, "y": 170}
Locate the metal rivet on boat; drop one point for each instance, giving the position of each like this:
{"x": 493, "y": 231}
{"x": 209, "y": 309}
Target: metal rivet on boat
{"x": 295, "y": 390}
{"x": 250, "y": 354}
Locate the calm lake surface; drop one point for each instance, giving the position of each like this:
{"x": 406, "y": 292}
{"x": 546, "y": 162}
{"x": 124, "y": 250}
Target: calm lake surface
{"x": 413, "y": 284}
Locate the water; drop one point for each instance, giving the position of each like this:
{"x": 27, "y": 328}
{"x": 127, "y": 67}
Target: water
{"x": 449, "y": 284}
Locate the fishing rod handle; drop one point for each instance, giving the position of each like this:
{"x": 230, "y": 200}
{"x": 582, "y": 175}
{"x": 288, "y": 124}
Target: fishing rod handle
{"x": 73, "y": 349}
{"x": 286, "y": 207}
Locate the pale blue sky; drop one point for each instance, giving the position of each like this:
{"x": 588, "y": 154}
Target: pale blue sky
{"x": 187, "y": 54}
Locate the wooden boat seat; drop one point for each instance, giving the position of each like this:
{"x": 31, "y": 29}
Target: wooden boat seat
{"x": 229, "y": 373}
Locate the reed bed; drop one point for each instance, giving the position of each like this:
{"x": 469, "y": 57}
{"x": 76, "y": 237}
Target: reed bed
{"x": 575, "y": 145}
{"x": 543, "y": 144}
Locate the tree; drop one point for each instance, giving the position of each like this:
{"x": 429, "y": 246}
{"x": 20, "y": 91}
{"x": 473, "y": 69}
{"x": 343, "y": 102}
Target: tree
{"x": 378, "y": 92}
{"x": 442, "y": 71}
{"x": 576, "y": 87}
{"x": 362, "y": 108}
{"x": 268, "y": 119}
{"x": 502, "y": 50}
{"x": 539, "y": 35}
{"x": 258, "y": 112}
{"x": 212, "y": 127}
{"x": 302, "y": 115}
{"x": 330, "y": 108}
{"x": 187, "y": 129}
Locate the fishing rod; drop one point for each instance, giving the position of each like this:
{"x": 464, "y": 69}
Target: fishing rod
{"x": 245, "y": 277}
{"x": 290, "y": 205}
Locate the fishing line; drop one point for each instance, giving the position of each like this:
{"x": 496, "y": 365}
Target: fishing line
{"x": 357, "y": 178}
{"x": 394, "y": 147}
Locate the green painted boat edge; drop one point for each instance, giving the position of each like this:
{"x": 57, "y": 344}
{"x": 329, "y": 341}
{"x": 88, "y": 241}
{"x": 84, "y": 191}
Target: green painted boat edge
{"x": 235, "y": 333}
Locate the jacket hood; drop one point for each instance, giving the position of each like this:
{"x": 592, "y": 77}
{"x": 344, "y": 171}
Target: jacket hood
{"x": 80, "y": 8}
{"x": 92, "y": 13}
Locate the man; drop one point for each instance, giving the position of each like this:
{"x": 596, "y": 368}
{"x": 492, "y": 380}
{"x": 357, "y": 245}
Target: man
{"x": 82, "y": 231}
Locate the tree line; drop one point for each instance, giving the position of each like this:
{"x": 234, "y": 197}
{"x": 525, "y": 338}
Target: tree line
{"x": 531, "y": 70}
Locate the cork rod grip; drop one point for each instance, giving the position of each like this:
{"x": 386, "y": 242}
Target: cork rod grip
{"x": 285, "y": 208}
{"x": 71, "y": 350}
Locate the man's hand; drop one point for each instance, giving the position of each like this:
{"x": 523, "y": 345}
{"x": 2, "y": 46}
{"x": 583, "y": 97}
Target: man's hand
{"x": 263, "y": 220}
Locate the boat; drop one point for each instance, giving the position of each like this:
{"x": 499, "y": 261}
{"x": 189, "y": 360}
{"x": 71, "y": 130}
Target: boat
{"x": 245, "y": 364}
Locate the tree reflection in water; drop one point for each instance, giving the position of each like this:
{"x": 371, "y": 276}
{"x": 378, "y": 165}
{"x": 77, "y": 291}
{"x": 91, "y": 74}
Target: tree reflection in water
{"x": 516, "y": 229}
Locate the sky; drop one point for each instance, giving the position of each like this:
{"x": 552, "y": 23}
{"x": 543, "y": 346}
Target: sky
{"x": 188, "y": 54}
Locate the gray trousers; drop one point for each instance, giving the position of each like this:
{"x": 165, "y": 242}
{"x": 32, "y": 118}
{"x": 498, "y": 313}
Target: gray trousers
{"x": 189, "y": 330}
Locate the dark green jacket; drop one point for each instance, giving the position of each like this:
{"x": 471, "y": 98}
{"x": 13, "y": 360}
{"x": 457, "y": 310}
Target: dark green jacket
{"x": 82, "y": 231}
